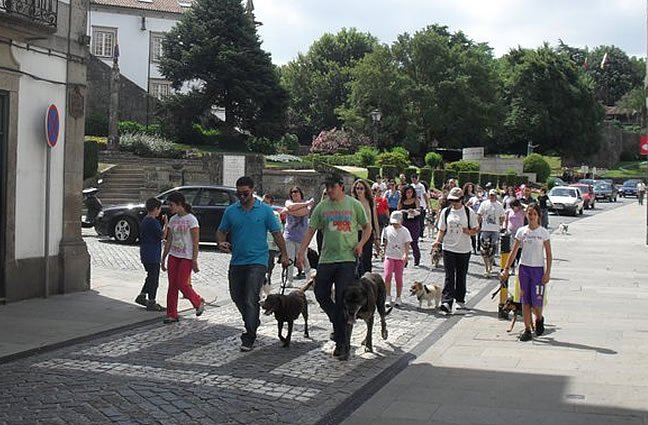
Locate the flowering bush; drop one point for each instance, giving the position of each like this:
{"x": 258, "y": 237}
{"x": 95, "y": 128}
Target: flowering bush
{"x": 338, "y": 141}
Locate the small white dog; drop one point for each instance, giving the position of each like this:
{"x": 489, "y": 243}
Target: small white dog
{"x": 427, "y": 293}
{"x": 564, "y": 228}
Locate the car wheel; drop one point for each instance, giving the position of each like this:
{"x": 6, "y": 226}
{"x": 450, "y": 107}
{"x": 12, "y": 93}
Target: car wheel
{"x": 125, "y": 230}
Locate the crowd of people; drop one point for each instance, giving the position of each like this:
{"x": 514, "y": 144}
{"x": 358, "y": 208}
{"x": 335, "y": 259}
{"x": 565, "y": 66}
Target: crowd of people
{"x": 382, "y": 220}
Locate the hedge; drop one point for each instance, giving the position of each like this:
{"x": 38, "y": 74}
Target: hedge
{"x": 451, "y": 174}
{"x": 90, "y": 159}
{"x": 439, "y": 178}
{"x": 468, "y": 176}
{"x": 373, "y": 172}
{"x": 425, "y": 175}
{"x": 389, "y": 171}
{"x": 411, "y": 171}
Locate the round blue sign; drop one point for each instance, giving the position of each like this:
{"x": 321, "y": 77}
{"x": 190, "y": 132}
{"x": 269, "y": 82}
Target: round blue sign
{"x": 52, "y": 125}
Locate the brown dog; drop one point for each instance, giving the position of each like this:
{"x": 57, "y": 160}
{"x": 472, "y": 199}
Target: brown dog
{"x": 435, "y": 255}
{"x": 287, "y": 308}
{"x": 511, "y": 306}
{"x": 427, "y": 293}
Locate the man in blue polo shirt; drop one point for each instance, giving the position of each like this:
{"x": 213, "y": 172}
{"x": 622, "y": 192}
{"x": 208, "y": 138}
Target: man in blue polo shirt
{"x": 248, "y": 222}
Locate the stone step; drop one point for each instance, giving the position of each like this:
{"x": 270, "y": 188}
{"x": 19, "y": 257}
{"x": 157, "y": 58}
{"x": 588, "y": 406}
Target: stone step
{"x": 125, "y": 182}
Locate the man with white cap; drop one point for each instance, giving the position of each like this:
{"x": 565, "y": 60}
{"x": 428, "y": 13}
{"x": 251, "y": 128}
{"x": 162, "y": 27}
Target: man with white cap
{"x": 491, "y": 219}
{"x": 457, "y": 223}
{"x": 396, "y": 241}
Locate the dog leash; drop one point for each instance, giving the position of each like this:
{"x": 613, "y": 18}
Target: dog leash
{"x": 284, "y": 276}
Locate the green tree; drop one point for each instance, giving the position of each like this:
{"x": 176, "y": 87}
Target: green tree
{"x": 432, "y": 85}
{"x": 551, "y": 103}
{"x": 535, "y": 163}
{"x": 216, "y": 44}
{"x": 617, "y": 76}
{"x": 318, "y": 81}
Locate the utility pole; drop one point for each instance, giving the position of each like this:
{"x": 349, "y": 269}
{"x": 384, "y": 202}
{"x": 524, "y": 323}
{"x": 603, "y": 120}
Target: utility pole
{"x": 646, "y": 94}
{"x": 113, "y": 114}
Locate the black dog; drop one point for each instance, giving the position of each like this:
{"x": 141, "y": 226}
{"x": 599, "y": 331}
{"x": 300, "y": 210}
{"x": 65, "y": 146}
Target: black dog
{"x": 360, "y": 302}
{"x": 287, "y": 308}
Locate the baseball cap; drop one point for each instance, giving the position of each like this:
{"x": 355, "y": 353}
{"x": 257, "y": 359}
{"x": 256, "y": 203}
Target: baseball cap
{"x": 333, "y": 179}
{"x": 492, "y": 192}
{"x": 455, "y": 193}
{"x": 396, "y": 217}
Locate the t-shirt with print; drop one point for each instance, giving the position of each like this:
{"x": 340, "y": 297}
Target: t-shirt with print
{"x": 180, "y": 231}
{"x": 396, "y": 238}
{"x": 339, "y": 223}
{"x": 532, "y": 244}
{"x": 455, "y": 240}
{"x": 491, "y": 212}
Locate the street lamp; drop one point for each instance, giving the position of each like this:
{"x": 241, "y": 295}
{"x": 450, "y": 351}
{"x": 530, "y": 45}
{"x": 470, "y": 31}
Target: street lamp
{"x": 530, "y": 148}
{"x": 375, "y": 115}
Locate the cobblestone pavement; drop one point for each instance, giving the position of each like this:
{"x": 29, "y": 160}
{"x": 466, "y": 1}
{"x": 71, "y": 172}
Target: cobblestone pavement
{"x": 192, "y": 372}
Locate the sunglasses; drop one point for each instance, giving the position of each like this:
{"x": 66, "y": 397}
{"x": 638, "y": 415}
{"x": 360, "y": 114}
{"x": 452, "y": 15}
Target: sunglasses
{"x": 243, "y": 194}
{"x": 359, "y": 188}
{"x": 294, "y": 191}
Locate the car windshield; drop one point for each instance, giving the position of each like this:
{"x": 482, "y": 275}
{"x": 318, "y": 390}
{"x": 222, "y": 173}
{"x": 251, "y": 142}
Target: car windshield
{"x": 602, "y": 186}
{"x": 560, "y": 191}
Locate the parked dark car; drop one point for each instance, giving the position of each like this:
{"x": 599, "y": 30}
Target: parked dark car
{"x": 629, "y": 188}
{"x": 605, "y": 190}
{"x": 208, "y": 205}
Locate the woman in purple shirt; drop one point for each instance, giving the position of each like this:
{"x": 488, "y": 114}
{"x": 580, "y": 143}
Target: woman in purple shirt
{"x": 297, "y": 212}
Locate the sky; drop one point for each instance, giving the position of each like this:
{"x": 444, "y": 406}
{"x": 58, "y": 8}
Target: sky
{"x": 290, "y": 26}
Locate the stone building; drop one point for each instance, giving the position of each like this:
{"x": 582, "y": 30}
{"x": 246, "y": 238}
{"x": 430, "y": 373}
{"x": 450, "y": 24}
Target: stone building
{"x": 43, "y": 51}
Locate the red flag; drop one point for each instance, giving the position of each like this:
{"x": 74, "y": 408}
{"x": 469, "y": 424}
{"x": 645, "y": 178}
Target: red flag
{"x": 643, "y": 146}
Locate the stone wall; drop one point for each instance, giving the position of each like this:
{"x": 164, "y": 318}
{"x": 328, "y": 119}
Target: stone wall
{"x": 164, "y": 174}
{"x": 134, "y": 101}
{"x": 278, "y": 182}
{"x": 614, "y": 141}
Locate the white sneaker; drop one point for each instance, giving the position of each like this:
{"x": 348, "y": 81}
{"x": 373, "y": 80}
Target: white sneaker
{"x": 445, "y": 307}
{"x": 388, "y": 301}
{"x": 398, "y": 302}
{"x": 461, "y": 306}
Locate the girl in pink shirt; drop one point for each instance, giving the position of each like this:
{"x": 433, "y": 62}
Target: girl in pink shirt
{"x": 514, "y": 220}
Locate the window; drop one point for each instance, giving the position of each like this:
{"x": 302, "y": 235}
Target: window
{"x": 159, "y": 88}
{"x": 212, "y": 198}
{"x": 103, "y": 42}
{"x": 156, "y": 46}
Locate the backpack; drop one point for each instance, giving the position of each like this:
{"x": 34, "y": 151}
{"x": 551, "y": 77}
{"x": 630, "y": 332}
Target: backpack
{"x": 447, "y": 213}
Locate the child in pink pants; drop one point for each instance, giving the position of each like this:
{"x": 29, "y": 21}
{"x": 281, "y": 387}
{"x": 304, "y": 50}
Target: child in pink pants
{"x": 396, "y": 240}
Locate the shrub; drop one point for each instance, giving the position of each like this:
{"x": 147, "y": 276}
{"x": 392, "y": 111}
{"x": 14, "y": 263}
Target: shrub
{"x": 389, "y": 171}
{"x": 433, "y": 159}
{"x": 439, "y": 177}
{"x": 551, "y": 182}
{"x": 96, "y": 124}
{"x": 90, "y": 158}
{"x": 373, "y": 172}
{"x": 205, "y": 136}
{"x": 425, "y": 175}
{"x": 451, "y": 174}
{"x": 130, "y": 127}
{"x": 261, "y": 145}
{"x": 411, "y": 171}
{"x": 366, "y": 156}
{"x": 399, "y": 150}
{"x": 394, "y": 159}
{"x": 468, "y": 177}
{"x": 146, "y": 145}
{"x": 339, "y": 141}
{"x": 535, "y": 163}
{"x": 289, "y": 144}
{"x": 485, "y": 178}
{"x": 463, "y": 165}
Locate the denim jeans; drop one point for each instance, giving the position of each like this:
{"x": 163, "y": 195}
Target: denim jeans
{"x": 152, "y": 280}
{"x": 342, "y": 274}
{"x": 245, "y": 286}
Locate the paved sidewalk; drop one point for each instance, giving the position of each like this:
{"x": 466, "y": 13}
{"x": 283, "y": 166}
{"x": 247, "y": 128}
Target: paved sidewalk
{"x": 591, "y": 366}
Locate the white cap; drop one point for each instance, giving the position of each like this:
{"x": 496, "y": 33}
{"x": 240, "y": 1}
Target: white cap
{"x": 455, "y": 193}
{"x": 396, "y": 217}
{"x": 492, "y": 192}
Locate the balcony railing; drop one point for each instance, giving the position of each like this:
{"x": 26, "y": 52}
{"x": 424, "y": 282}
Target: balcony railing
{"x": 41, "y": 12}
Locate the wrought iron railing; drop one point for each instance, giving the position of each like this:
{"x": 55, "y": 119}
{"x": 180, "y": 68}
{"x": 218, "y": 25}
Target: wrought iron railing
{"x": 42, "y": 12}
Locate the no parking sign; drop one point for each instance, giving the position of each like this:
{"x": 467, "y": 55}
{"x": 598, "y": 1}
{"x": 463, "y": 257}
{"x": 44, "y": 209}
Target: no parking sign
{"x": 52, "y": 125}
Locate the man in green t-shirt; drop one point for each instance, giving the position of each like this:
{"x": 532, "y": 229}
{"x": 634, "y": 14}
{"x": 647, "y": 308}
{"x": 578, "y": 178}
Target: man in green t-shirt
{"x": 338, "y": 217}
